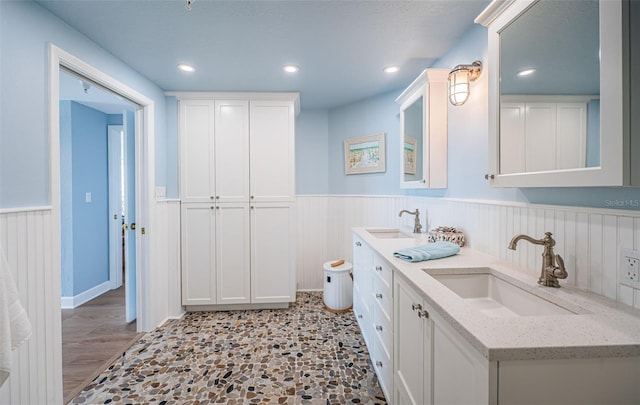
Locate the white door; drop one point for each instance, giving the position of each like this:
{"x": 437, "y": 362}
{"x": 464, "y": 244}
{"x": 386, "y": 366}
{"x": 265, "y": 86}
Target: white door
{"x": 272, "y": 151}
{"x": 232, "y": 150}
{"x": 197, "y": 150}
{"x": 115, "y": 139}
{"x": 198, "y": 254}
{"x": 233, "y": 271}
{"x": 129, "y": 169}
{"x": 272, "y": 252}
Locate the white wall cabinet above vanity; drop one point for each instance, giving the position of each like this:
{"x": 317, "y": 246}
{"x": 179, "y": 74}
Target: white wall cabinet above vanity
{"x": 588, "y": 56}
{"x": 237, "y": 189}
{"x": 446, "y": 350}
{"x": 423, "y": 129}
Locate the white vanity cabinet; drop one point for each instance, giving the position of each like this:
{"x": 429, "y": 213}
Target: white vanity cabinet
{"x": 373, "y": 308}
{"x": 433, "y": 364}
{"x": 237, "y": 189}
{"x": 362, "y": 287}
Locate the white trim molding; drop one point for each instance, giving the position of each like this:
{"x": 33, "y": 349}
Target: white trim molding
{"x": 84, "y": 297}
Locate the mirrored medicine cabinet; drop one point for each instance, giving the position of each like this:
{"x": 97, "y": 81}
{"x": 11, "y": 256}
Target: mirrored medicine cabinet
{"x": 423, "y": 131}
{"x": 558, "y": 93}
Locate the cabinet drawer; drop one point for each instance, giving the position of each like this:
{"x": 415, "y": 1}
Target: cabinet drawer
{"x": 383, "y": 271}
{"x": 383, "y": 366}
{"x": 382, "y": 296}
{"x": 383, "y": 329}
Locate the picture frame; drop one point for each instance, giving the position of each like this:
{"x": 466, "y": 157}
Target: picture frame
{"x": 365, "y": 154}
{"x": 410, "y": 146}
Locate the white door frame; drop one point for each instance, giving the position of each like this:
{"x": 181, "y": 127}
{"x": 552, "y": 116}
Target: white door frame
{"x": 144, "y": 167}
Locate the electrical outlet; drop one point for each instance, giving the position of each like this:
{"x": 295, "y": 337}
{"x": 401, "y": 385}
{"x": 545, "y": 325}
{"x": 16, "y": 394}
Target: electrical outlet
{"x": 629, "y": 268}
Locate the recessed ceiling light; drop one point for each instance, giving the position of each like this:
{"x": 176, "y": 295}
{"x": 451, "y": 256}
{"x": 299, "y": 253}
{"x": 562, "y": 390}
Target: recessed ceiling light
{"x": 186, "y": 68}
{"x": 391, "y": 69}
{"x": 526, "y": 72}
{"x": 291, "y": 68}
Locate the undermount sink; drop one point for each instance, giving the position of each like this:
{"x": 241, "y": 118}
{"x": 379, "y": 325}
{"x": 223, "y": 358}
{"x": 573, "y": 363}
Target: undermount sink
{"x": 496, "y": 297}
{"x": 388, "y": 233}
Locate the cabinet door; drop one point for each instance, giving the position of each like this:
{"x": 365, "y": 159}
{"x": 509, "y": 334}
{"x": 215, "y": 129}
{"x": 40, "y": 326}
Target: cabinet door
{"x": 540, "y": 133}
{"x": 196, "y": 150}
{"x": 272, "y": 252}
{"x": 272, "y": 151}
{"x": 233, "y": 254}
{"x": 232, "y": 150}
{"x": 457, "y": 364}
{"x": 512, "y": 141}
{"x": 571, "y": 135}
{"x": 412, "y": 347}
{"x": 198, "y": 254}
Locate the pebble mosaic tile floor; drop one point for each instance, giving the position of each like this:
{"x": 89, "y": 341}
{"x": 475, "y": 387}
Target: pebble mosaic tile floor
{"x": 300, "y": 355}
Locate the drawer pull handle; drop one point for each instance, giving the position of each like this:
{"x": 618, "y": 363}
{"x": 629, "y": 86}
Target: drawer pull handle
{"x": 379, "y": 328}
{"x": 379, "y": 296}
{"x": 379, "y": 268}
{"x": 378, "y": 363}
{"x": 423, "y": 314}
{"x": 358, "y": 244}
{"x": 416, "y": 307}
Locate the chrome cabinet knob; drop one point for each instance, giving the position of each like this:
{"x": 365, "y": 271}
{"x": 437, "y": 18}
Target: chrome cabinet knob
{"x": 423, "y": 314}
{"x": 416, "y": 307}
{"x": 358, "y": 244}
{"x": 360, "y": 316}
{"x": 379, "y": 268}
{"x": 378, "y": 363}
{"x": 489, "y": 176}
{"x": 379, "y": 296}
{"x": 379, "y": 328}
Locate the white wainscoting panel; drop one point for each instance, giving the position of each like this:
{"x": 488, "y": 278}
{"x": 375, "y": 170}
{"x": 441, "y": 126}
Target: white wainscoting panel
{"x": 587, "y": 238}
{"x": 36, "y": 375}
{"x": 167, "y": 271}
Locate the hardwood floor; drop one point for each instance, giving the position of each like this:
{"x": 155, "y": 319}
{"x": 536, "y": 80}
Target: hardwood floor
{"x": 93, "y": 335}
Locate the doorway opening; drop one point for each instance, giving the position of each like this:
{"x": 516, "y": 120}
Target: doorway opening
{"x": 97, "y": 155}
{"x": 132, "y": 150}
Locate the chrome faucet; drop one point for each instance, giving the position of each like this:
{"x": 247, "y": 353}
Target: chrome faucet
{"x": 417, "y": 227}
{"x": 550, "y": 272}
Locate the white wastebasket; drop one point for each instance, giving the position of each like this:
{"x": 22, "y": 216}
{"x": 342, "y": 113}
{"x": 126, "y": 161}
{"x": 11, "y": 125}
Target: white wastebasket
{"x": 338, "y": 287}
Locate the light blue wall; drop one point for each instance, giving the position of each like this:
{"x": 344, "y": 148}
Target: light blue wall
{"x": 172, "y": 146}
{"x": 85, "y": 228}
{"x": 468, "y": 146}
{"x": 312, "y": 154}
{"x": 25, "y": 30}
{"x": 368, "y": 117}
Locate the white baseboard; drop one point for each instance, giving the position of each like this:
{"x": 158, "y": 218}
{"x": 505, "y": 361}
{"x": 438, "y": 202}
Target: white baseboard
{"x": 86, "y": 296}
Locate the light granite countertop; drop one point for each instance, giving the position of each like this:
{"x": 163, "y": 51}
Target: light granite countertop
{"x": 598, "y": 327}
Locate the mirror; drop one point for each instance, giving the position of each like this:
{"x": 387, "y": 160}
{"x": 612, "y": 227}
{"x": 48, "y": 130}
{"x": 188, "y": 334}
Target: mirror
{"x": 548, "y": 129}
{"x": 423, "y": 131}
{"x": 413, "y": 126}
{"x": 550, "y": 117}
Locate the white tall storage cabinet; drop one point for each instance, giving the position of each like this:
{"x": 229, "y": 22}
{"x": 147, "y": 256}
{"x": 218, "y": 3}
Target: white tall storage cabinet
{"x": 237, "y": 189}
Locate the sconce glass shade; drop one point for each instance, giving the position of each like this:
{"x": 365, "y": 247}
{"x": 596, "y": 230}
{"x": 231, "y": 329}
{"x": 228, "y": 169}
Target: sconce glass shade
{"x": 459, "y": 79}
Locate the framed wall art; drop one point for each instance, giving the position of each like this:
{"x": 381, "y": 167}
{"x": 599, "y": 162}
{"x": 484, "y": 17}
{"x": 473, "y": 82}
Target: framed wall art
{"x": 365, "y": 154}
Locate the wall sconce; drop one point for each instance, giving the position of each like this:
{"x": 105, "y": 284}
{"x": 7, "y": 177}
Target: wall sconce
{"x": 459, "y": 79}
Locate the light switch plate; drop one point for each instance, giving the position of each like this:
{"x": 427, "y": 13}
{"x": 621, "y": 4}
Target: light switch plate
{"x": 629, "y": 268}
{"x": 161, "y": 192}
{"x": 87, "y": 197}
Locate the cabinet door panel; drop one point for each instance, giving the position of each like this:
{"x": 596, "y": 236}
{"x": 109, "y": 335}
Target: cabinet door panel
{"x": 196, "y": 150}
{"x": 232, "y": 150}
{"x": 412, "y": 360}
{"x": 272, "y": 253}
{"x": 233, "y": 254}
{"x": 457, "y": 364}
{"x": 198, "y": 257}
{"x": 272, "y": 151}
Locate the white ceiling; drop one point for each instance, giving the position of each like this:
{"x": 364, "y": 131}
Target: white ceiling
{"x": 341, "y": 47}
